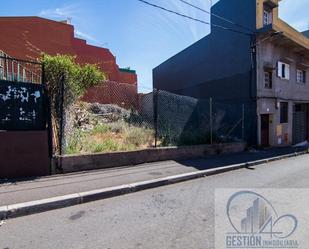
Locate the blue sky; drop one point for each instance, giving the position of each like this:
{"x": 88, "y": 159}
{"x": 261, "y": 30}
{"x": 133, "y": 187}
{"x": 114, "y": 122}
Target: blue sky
{"x": 140, "y": 37}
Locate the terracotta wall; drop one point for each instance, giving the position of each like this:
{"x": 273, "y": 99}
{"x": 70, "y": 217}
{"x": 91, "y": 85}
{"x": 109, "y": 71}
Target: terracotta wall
{"x": 123, "y": 95}
{"x": 28, "y": 37}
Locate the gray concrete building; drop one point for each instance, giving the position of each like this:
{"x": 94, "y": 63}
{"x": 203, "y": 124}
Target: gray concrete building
{"x": 282, "y": 85}
{"x": 261, "y": 62}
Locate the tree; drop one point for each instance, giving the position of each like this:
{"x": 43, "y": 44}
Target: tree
{"x": 66, "y": 82}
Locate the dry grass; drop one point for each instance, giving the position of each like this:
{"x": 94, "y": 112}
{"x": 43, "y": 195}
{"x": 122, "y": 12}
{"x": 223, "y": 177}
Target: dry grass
{"x": 117, "y": 136}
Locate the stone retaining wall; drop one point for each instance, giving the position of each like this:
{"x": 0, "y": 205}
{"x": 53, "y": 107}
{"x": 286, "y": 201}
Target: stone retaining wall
{"x": 115, "y": 159}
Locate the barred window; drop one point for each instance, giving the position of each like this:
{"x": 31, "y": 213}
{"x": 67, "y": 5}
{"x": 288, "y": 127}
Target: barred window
{"x": 267, "y": 17}
{"x": 301, "y": 76}
{"x": 268, "y": 81}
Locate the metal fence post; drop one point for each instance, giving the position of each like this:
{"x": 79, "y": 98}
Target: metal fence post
{"x": 210, "y": 120}
{"x": 48, "y": 118}
{"x": 243, "y": 123}
{"x": 155, "y": 113}
{"x": 61, "y": 114}
{"x": 13, "y": 71}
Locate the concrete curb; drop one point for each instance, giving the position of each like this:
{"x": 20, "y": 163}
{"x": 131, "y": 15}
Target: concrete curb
{"x": 32, "y": 207}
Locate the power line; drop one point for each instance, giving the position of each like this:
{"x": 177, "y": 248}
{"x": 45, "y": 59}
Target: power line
{"x": 215, "y": 15}
{"x": 194, "y": 19}
{"x": 174, "y": 12}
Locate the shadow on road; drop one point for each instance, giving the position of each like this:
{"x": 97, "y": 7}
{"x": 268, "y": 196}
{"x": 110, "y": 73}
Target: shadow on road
{"x": 215, "y": 161}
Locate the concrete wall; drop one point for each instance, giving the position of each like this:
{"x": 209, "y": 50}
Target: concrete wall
{"x": 24, "y": 154}
{"x": 146, "y": 106}
{"x": 108, "y": 160}
{"x": 268, "y": 55}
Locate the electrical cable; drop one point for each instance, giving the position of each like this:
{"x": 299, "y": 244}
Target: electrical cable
{"x": 195, "y": 19}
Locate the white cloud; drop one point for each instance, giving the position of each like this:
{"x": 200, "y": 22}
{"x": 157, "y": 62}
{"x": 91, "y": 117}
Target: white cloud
{"x": 175, "y": 25}
{"x": 196, "y": 29}
{"x": 72, "y": 12}
{"x": 87, "y": 37}
{"x": 69, "y": 11}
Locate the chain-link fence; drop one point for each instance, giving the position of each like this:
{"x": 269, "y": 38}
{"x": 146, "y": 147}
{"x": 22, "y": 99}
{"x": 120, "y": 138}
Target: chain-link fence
{"x": 182, "y": 120}
{"x": 114, "y": 117}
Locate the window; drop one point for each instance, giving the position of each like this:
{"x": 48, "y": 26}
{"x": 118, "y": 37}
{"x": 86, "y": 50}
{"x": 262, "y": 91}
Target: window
{"x": 301, "y": 76}
{"x": 284, "y": 112}
{"x": 283, "y": 70}
{"x": 267, "y": 18}
{"x": 268, "y": 79}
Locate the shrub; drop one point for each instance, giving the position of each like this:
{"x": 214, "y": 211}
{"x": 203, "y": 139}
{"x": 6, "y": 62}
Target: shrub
{"x": 66, "y": 81}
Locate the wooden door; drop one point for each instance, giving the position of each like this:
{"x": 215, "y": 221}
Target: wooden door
{"x": 265, "y": 130}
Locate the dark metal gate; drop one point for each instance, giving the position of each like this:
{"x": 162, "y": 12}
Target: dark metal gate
{"x": 22, "y": 106}
{"x": 25, "y": 143}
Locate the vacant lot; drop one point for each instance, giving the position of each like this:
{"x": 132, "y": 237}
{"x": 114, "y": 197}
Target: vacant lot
{"x": 106, "y": 128}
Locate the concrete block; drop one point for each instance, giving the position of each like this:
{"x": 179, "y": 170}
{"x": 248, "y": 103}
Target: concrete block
{"x": 149, "y": 184}
{"x": 104, "y": 193}
{"x": 185, "y": 177}
{"x": 3, "y": 212}
{"x": 32, "y": 207}
{"x": 215, "y": 171}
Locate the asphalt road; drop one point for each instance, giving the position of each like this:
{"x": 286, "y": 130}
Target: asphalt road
{"x": 14, "y": 191}
{"x": 175, "y": 216}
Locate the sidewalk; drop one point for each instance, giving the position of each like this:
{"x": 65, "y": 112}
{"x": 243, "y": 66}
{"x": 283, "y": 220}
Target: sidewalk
{"x": 58, "y": 185}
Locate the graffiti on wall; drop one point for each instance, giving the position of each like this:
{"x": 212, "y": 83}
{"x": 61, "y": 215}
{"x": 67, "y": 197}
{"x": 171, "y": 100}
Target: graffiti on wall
{"x": 21, "y": 106}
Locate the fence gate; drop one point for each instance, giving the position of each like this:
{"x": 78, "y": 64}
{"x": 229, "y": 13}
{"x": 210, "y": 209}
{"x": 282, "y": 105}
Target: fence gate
{"x": 24, "y": 136}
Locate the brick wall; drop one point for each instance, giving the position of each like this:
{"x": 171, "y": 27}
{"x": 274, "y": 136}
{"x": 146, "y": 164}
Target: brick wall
{"x": 110, "y": 92}
{"x": 28, "y": 37}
